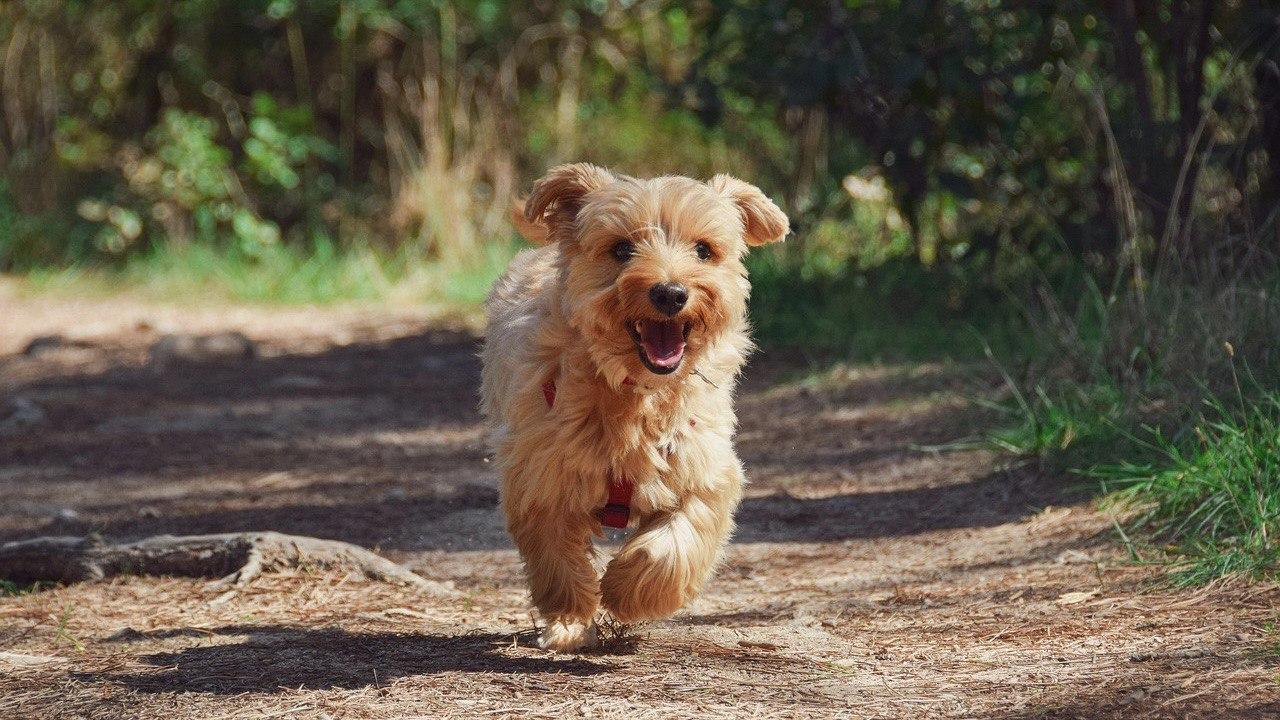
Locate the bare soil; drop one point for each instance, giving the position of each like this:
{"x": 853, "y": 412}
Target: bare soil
{"x": 883, "y": 566}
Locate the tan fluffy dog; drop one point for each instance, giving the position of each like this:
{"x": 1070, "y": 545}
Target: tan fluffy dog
{"x": 609, "y": 369}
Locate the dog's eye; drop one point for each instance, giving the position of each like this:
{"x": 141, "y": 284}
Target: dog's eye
{"x": 703, "y": 250}
{"x": 623, "y": 250}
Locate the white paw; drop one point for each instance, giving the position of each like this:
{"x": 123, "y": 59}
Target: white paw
{"x": 568, "y": 636}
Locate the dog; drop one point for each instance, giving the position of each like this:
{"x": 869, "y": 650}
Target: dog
{"x": 609, "y": 367}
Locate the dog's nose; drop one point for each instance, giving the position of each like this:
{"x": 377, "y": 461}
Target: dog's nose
{"x": 668, "y": 297}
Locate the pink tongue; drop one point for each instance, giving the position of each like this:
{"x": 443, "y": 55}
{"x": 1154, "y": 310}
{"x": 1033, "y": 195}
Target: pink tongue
{"x": 663, "y": 342}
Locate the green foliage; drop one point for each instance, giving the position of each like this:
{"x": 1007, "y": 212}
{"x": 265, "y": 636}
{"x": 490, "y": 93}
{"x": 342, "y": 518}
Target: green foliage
{"x": 282, "y": 141}
{"x": 1078, "y": 422}
{"x": 184, "y": 178}
{"x": 899, "y": 311}
{"x": 980, "y": 127}
{"x": 1215, "y": 494}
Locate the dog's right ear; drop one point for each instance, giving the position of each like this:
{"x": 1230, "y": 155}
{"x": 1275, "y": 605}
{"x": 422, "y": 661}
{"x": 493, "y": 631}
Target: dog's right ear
{"x": 557, "y": 197}
{"x": 762, "y": 221}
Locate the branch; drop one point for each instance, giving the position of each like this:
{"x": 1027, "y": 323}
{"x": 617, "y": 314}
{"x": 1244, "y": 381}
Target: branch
{"x": 235, "y": 558}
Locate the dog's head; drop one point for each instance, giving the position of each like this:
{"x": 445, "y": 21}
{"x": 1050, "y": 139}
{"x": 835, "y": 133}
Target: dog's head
{"x": 652, "y": 271}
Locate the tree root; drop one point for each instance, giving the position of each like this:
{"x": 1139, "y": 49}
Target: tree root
{"x": 234, "y": 558}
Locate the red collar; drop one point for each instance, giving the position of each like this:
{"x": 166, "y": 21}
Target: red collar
{"x": 616, "y": 512}
{"x": 549, "y": 389}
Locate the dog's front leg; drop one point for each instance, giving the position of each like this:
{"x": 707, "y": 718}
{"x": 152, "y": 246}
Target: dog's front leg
{"x": 557, "y": 556}
{"x": 665, "y": 563}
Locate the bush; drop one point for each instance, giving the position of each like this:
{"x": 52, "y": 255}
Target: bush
{"x": 896, "y": 311}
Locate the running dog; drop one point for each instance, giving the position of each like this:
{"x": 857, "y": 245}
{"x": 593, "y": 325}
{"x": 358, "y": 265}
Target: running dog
{"x": 609, "y": 368}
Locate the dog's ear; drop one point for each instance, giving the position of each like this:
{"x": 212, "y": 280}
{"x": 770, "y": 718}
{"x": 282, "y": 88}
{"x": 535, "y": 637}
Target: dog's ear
{"x": 762, "y": 220}
{"x": 535, "y": 232}
{"x": 557, "y": 197}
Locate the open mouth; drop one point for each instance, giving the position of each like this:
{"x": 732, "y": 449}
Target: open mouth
{"x": 660, "y": 343}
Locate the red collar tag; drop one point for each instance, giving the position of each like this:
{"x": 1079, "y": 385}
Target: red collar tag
{"x": 616, "y": 513}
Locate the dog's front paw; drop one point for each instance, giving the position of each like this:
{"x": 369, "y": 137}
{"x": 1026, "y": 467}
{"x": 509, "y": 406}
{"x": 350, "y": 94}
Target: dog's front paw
{"x": 637, "y": 587}
{"x": 567, "y": 636}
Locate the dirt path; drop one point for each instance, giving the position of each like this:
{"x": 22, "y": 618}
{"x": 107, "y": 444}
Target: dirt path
{"x": 880, "y": 569}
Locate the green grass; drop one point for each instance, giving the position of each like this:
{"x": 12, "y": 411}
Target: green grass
{"x": 284, "y": 274}
{"x": 1198, "y": 492}
{"x": 1076, "y": 423}
{"x": 1125, "y": 390}
{"x": 8, "y": 588}
{"x": 1213, "y": 496}
{"x": 896, "y": 312}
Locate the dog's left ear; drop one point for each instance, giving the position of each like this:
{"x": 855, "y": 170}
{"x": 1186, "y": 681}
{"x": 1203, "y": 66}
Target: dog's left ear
{"x": 558, "y": 196}
{"x": 763, "y": 221}
{"x": 535, "y": 232}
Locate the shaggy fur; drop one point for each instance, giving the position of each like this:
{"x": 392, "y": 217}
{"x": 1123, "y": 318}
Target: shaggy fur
{"x": 565, "y": 312}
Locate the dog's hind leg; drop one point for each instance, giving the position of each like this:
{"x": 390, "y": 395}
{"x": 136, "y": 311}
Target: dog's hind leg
{"x": 557, "y": 556}
{"x": 665, "y": 563}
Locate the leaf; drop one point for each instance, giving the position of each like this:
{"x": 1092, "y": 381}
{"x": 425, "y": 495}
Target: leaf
{"x": 1077, "y": 597}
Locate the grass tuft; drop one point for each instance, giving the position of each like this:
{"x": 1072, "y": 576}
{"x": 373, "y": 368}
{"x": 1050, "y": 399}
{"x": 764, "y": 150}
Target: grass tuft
{"x": 1125, "y": 388}
{"x": 9, "y": 588}
{"x": 1214, "y": 497}
{"x": 1080, "y": 422}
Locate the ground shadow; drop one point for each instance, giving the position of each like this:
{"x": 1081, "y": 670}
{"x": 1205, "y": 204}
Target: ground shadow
{"x": 764, "y": 615}
{"x": 468, "y": 518}
{"x": 369, "y": 515}
{"x": 993, "y": 499}
{"x": 379, "y": 443}
{"x": 272, "y": 657}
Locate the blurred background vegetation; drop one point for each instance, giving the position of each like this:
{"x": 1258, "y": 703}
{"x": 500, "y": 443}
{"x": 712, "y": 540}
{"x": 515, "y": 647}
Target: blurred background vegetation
{"x": 1087, "y": 192}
